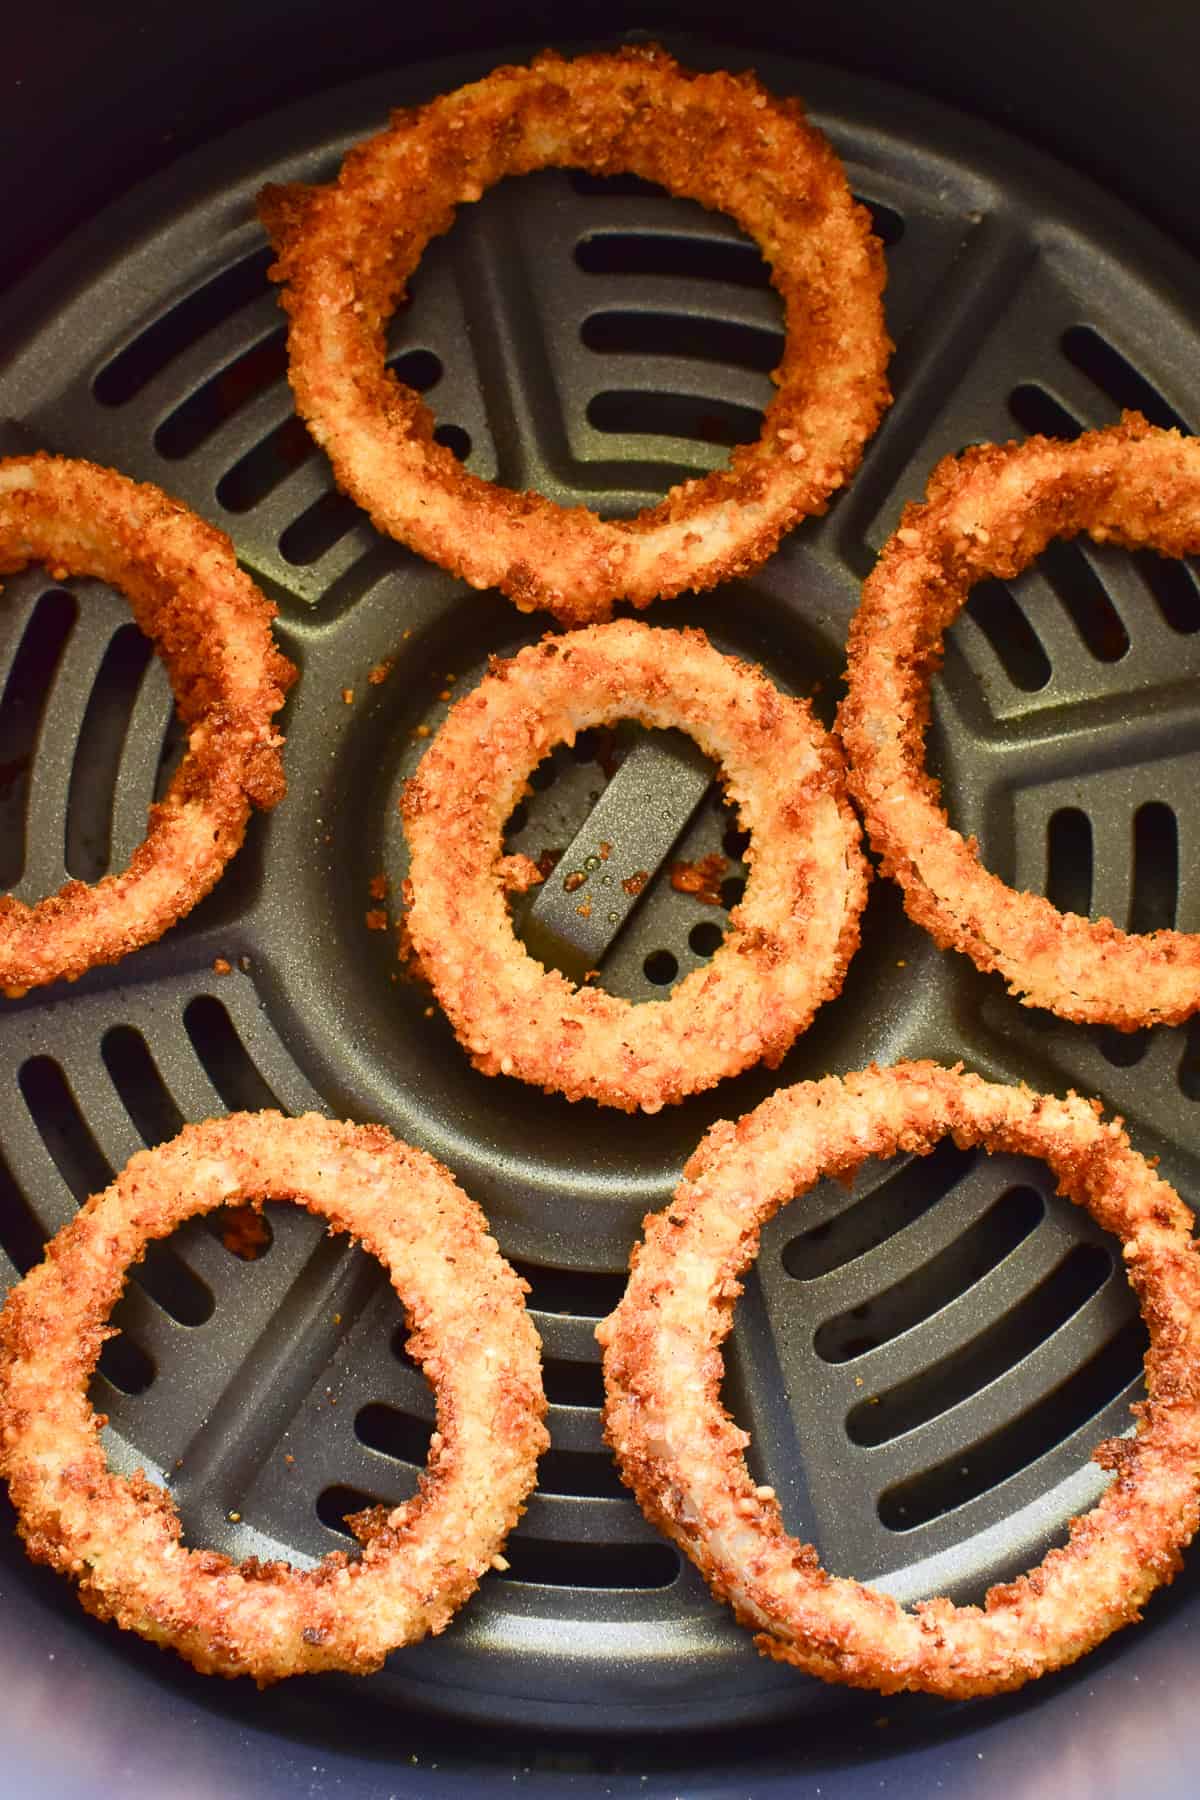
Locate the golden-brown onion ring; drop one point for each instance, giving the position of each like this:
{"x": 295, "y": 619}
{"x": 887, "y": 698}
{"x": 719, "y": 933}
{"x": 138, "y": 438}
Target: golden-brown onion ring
{"x": 990, "y": 512}
{"x": 345, "y": 252}
{"x": 212, "y": 629}
{"x": 682, "y": 1454}
{"x": 120, "y": 1536}
{"x": 789, "y": 941}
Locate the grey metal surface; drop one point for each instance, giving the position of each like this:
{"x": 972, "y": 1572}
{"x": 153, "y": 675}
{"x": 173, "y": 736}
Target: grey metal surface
{"x": 923, "y": 1362}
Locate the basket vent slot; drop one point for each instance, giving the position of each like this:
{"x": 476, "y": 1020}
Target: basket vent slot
{"x": 318, "y": 529}
{"x": 578, "y": 1293}
{"x": 573, "y": 1383}
{"x": 334, "y": 1503}
{"x": 142, "y": 1089}
{"x": 633, "y": 413}
{"x": 1087, "y": 605}
{"x": 98, "y": 753}
{"x": 1036, "y": 1317}
{"x": 21, "y": 711}
{"x": 1069, "y": 857}
{"x": 914, "y": 1187}
{"x": 681, "y": 334}
{"x": 202, "y": 311}
{"x": 736, "y": 263}
{"x": 1189, "y": 1062}
{"x": 124, "y": 1363}
{"x": 1055, "y": 1417}
{"x": 261, "y": 470}
{"x": 551, "y": 1562}
{"x": 1155, "y": 868}
{"x": 394, "y": 1433}
{"x": 1123, "y": 1049}
{"x": 224, "y": 394}
{"x": 226, "y": 1060}
{"x": 1040, "y": 414}
{"x": 20, "y": 1233}
{"x": 972, "y": 1255}
{"x": 1173, "y": 586}
{"x": 1115, "y": 376}
{"x": 1010, "y": 635}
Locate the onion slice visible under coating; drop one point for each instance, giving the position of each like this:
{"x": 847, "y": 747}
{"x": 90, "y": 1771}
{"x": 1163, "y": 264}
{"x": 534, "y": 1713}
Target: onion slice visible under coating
{"x": 989, "y": 513}
{"x": 789, "y": 940}
{"x": 119, "y": 1537}
{"x": 682, "y": 1454}
{"x": 347, "y": 250}
{"x": 212, "y": 628}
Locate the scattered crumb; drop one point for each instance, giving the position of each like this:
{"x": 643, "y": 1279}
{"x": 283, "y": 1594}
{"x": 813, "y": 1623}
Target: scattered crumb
{"x": 382, "y": 670}
{"x": 548, "y": 861}
{"x": 288, "y": 1458}
{"x": 633, "y": 884}
{"x": 378, "y": 887}
{"x": 519, "y": 873}
{"x": 500, "y": 1563}
{"x": 701, "y": 879}
{"x": 585, "y": 911}
{"x": 406, "y": 953}
{"x": 244, "y": 964}
{"x": 605, "y": 851}
{"x": 244, "y": 1232}
{"x": 574, "y": 881}
{"x": 222, "y": 966}
{"x": 377, "y": 919}
{"x": 421, "y": 731}
{"x": 348, "y": 696}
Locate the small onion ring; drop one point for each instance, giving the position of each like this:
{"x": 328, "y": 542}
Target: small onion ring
{"x": 345, "y": 252}
{"x": 120, "y": 1536}
{"x": 990, "y": 512}
{"x": 789, "y": 941}
{"x": 682, "y": 1454}
{"x": 212, "y": 628}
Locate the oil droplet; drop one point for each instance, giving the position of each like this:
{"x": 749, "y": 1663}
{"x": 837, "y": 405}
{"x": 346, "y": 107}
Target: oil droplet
{"x": 591, "y": 862}
{"x": 614, "y": 918}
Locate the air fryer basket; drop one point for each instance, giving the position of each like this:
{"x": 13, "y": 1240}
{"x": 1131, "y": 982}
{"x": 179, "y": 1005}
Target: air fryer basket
{"x": 925, "y": 1362}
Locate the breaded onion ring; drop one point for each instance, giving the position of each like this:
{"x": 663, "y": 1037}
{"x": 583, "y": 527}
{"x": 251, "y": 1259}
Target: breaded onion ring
{"x": 345, "y": 252}
{"x": 212, "y": 629}
{"x": 682, "y": 1454}
{"x": 788, "y": 943}
{"x": 119, "y": 1537}
{"x": 990, "y": 512}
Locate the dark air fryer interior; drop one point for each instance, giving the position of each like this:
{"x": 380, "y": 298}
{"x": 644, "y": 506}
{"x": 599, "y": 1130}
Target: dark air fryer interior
{"x": 925, "y": 1362}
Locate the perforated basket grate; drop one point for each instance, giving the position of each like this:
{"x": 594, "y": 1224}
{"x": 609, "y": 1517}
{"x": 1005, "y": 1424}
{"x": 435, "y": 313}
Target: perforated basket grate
{"x": 923, "y": 1362}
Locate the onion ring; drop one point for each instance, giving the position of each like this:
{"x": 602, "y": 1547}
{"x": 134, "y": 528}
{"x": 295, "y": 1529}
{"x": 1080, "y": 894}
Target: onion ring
{"x": 990, "y": 512}
{"x": 682, "y": 1454}
{"x": 121, "y": 1537}
{"x": 212, "y": 629}
{"x": 345, "y": 252}
{"x": 789, "y": 941}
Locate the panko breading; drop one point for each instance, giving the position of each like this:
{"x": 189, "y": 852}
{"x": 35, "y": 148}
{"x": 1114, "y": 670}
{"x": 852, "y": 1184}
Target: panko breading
{"x": 119, "y": 1537}
{"x": 789, "y": 940}
{"x": 683, "y": 1455}
{"x": 346, "y": 251}
{"x": 990, "y": 512}
{"x": 212, "y": 628}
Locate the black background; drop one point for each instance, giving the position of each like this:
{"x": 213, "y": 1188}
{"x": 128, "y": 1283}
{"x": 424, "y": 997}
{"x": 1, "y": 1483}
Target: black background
{"x": 95, "y": 97}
